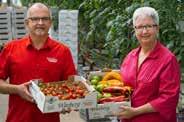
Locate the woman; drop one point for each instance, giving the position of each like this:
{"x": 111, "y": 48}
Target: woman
{"x": 152, "y": 71}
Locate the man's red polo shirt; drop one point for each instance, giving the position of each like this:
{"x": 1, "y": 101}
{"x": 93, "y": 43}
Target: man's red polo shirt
{"x": 21, "y": 62}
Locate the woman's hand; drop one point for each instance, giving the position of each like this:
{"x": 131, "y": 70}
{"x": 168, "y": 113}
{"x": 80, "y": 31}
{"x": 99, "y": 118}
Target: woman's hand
{"x": 126, "y": 113}
{"x": 129, "y": 112}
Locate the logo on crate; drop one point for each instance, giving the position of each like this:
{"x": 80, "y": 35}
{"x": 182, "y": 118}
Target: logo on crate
{"x": 69, "y": 105}
{"x": 88, "y": 103}
{"x": 51, "y": 100}
{"x": 100, "y": 108}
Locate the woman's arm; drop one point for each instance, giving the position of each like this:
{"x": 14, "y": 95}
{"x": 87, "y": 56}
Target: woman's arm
{"x": 129, "y": 112}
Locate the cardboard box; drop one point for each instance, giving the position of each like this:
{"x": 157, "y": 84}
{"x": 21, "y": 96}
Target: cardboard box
{"x": 102, "y": 110}
{"x": 49, "y": 104}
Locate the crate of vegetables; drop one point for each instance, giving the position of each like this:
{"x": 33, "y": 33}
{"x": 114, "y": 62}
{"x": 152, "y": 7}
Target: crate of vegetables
{"x": 73, "y": 93}
{"x": 111, "y": 94}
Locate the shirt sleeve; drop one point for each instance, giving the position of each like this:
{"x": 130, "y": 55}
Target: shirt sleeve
{"x": 4, "y": 63}
{"x": 69, "y": 65}
{"x": 169, "y": 88}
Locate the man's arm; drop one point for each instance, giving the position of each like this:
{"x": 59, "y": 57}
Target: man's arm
{"x": 21, "y": 90}
{"x": 6, "y": 88}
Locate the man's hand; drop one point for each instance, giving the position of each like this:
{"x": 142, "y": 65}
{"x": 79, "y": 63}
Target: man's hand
{"x": 22, "y": 91}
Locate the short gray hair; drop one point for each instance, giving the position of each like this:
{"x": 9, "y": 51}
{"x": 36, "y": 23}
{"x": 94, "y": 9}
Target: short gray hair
{"x": 40, "y": 5}
{"x": 146, "y": 11}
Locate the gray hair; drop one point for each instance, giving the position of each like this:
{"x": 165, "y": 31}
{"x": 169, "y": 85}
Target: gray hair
{"x": 146, "y": 11}
{"x": 39, "y": 5}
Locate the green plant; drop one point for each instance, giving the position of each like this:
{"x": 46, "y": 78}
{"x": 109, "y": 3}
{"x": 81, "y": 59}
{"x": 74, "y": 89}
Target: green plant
{"x": 105, "y": 27}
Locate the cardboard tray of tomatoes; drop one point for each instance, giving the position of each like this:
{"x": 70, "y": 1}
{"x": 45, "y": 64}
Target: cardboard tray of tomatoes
{"x": 74, "y": 93}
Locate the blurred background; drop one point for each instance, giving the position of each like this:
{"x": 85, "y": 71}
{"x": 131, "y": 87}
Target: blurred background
{"x": 98, "y": 32}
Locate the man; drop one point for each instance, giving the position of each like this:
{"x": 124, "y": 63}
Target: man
{"x": 36, "y": 56}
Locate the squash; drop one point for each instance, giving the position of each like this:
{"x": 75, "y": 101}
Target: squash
{"x": 113, "y": 82}
{"x": 112, "y": 75}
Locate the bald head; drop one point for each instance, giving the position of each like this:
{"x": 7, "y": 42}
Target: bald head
{"x": 38, "y": 6}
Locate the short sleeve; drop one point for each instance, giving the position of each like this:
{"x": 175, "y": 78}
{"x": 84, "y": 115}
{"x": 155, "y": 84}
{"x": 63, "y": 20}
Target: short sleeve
{"x": 4, "y": 62}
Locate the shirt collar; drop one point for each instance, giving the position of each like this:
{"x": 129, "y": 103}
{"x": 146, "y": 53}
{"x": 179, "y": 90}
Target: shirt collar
{"x": 47, "y": 45}
{"x": 154, "y": 53}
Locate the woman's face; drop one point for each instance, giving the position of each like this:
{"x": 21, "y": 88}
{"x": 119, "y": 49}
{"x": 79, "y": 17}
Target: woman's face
{"x": 146, "y": 30}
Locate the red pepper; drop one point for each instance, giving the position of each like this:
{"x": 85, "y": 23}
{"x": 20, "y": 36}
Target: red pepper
{"x": 113, "y": 89}
{"x": 112, "y": 99}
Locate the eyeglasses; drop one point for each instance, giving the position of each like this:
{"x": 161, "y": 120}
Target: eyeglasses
{"x": 147, "y": 27}
{"x": 37, "y": 19}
